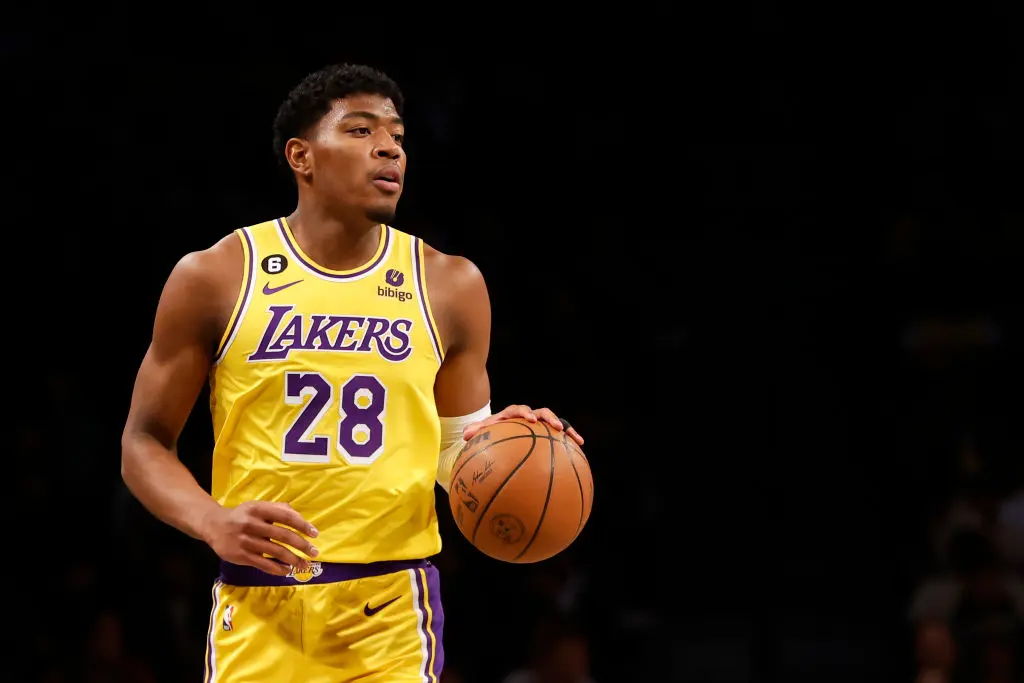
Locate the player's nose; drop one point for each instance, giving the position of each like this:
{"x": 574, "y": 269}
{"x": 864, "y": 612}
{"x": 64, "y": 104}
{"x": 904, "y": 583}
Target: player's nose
{"x": 388, "y": 149}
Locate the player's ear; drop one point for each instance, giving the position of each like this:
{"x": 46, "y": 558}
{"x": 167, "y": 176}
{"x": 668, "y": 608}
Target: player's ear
{"x": 299, "y": 156}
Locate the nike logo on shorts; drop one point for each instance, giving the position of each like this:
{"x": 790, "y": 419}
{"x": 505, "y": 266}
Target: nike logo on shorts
{"x": 267, "y": 289}
{"x": 370, "y": 611}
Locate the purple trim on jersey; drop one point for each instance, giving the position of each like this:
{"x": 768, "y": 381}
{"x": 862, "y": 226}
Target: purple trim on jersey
{"x": 251, "y": 271}
{"x": 293, "y": 248}
{"x": 421, "y": 277}
{"x": 329, "y": 572}
{"x": 435, "y": 629}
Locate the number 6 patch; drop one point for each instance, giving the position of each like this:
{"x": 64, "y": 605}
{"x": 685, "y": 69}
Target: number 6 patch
{"x": 274, "y": 264}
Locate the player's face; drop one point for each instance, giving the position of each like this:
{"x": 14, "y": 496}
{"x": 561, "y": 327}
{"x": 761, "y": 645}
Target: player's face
{"x": 357, "y": 155}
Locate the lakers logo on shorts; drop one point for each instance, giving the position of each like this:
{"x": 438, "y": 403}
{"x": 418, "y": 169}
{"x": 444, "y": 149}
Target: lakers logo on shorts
{"x": 302, "y": 576}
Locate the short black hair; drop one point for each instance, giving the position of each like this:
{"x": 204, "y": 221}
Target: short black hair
{"x": 307, "y": 103}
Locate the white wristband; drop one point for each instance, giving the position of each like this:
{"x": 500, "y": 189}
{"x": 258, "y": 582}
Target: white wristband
{"x": 452, "y": 442}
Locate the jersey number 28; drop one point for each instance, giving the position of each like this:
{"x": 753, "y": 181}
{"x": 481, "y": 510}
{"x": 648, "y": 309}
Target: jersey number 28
{"x": 360, "y": 434}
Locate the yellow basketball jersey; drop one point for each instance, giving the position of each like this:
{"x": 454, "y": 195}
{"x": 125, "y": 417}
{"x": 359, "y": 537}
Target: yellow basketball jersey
{"x": 322, "y": 396}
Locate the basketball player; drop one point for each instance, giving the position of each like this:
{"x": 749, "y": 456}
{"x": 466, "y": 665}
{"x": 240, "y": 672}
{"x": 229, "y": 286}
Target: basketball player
{"x": 332, "y": 343}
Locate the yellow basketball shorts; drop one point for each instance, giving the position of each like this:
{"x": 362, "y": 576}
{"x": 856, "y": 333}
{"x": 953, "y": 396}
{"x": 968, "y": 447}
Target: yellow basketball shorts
{"x": 334, "y": 623}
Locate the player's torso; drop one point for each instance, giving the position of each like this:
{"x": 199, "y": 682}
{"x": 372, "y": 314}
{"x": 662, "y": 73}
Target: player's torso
{"x": 322, "y": 396}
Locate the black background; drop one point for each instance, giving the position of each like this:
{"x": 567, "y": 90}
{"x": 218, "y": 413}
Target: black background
{"x": 709, "y": 242}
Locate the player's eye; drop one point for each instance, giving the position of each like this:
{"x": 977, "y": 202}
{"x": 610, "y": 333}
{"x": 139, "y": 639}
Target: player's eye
{"x": 399, "y": 137}
{"x": 362, "y": 130}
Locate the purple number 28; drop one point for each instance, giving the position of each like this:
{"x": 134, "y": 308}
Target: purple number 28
{"x": 360, "y": 433}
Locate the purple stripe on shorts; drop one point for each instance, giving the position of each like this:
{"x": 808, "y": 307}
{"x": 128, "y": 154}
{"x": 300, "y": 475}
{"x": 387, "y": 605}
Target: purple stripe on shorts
{"x": 319, "y": 572}
{"x": 292, "y": 247}
{"x": 425, "y": 633}
{"x": 211, "y": 656}
{"x": 435, "y": 629}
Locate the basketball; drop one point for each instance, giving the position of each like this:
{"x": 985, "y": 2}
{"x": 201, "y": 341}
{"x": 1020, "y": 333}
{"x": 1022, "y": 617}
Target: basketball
{"x": 521, "y": 491}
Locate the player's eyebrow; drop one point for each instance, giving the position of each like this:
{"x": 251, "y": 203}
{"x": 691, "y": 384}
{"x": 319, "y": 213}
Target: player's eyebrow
{"x": 373, "y": 117}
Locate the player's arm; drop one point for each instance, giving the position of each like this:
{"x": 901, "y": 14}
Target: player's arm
{"x": 190, "y": 318}
{"x": 166, "y": 387}
{"x": 462, "y": 388}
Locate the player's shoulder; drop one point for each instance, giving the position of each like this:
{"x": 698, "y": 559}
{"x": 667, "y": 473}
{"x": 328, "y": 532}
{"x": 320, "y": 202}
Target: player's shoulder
{"x": 205, "y": 274}
{"x": 453, "y": 271}
{"x": 208, "y": 262}
{"x": 203, "y": 286}
{"x": 457, "y": 292}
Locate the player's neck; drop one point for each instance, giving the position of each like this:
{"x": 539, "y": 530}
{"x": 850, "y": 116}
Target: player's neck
{"x": 334, "y": 243}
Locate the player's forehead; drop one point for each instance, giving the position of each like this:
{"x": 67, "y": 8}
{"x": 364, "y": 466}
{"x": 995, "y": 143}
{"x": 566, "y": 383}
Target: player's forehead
{"x": 377, "y": 106}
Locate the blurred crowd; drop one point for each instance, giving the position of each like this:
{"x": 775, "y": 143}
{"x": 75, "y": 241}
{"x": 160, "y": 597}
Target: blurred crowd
{"x": 967, "y": 611}
{"x": 959, "y": 440}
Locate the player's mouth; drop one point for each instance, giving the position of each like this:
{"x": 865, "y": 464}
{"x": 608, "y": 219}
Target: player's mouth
{"x": 389, "y": 180}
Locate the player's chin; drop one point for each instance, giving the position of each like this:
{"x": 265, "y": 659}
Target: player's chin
{"x": 382, "y": 212}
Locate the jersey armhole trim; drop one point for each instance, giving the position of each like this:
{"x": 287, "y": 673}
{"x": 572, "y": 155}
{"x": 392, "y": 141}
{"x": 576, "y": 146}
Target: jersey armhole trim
{"x": 419, "y": 272}
{"x": 244, "y": 294}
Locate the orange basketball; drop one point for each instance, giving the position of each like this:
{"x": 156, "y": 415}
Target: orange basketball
{"x": 521, "y": 491}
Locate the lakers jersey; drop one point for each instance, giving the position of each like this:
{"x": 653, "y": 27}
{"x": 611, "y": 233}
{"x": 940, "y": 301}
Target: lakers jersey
{"x": 322, "y": 395}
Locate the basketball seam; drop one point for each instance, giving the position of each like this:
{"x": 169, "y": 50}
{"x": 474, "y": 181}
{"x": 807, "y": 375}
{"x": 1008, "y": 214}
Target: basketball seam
{"x": 547, "y": 497}
{"x": 492, "y": 443}
{"x": 579, "y": 452}
{"x": 494, "y": 496}
{"x": 579, "y": 482}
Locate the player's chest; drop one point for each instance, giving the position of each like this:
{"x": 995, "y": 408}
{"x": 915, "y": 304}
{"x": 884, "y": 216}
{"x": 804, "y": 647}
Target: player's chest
{"x": 356, "y": 322}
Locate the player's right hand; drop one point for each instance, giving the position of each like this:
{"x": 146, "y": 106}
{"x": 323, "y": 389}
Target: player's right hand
{"x": 245, "y": 535}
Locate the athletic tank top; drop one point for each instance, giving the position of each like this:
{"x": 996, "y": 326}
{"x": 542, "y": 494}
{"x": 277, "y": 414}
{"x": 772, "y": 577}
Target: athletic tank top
{"x": 322, "y": 395}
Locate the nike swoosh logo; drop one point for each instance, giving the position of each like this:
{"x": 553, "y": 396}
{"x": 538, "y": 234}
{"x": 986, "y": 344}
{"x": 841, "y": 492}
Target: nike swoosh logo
{"x": 267, "y": 289}
{"x": 370, "y": 611}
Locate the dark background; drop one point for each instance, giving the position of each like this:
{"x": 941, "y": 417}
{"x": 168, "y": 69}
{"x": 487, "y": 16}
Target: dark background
{"x": 766, "y": 263}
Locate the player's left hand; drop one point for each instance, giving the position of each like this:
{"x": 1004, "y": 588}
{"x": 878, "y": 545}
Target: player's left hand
{"x": 530, "y": 415}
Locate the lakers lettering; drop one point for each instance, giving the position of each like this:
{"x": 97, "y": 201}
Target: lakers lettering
{"x": 287, "y": 332}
